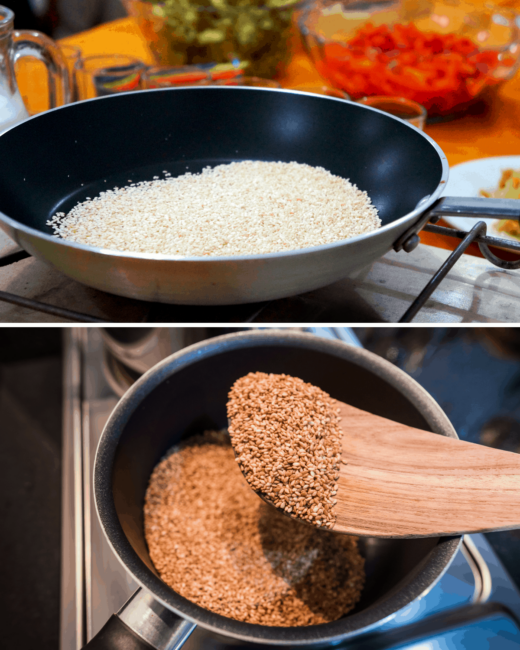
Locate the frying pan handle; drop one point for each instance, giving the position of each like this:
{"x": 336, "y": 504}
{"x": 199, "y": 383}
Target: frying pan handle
{"x": 456, "y": 206}
{"x": 142, "y": 624}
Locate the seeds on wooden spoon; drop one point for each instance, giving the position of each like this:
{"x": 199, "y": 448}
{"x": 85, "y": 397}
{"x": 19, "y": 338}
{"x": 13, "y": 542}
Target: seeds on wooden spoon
{"x": 287, "y": 441}
{"x": 400, "y": 482}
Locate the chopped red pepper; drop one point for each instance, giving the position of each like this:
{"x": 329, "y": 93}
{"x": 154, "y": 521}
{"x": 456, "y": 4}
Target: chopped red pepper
{"x": 440, "y": 71}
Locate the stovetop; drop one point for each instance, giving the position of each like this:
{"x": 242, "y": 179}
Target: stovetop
{"x": 465, "y": 605}
{"x": 474, "y": 291}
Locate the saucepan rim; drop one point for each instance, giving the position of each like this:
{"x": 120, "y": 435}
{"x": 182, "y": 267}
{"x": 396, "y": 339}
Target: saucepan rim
{"x": 424, "y": 576}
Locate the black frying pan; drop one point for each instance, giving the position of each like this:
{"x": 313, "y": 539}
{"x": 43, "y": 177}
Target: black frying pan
{"x": 54, "y": 160}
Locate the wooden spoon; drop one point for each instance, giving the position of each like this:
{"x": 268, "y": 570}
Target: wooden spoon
{"x": 397, "y": 481}
{"x": 400, "y": 482}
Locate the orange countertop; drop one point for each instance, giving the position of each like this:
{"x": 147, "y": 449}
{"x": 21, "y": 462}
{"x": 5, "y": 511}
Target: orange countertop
{"x": 494, "y": 131}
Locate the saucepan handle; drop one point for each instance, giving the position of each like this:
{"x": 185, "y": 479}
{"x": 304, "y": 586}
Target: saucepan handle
{"x": 456, "y": 206}
{"x": 141, "y": 624}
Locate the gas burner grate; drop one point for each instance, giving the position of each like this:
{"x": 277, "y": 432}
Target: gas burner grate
{"x": 249, "y": 313}
{"x": 36, "y": 305}
{"x": 478, "y": 234}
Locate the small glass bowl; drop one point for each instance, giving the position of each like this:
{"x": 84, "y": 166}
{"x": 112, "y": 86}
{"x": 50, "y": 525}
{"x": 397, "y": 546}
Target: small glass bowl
{"x": 404, "y": 109}
{"x": 168, "y": 77}
{"x": 248, "y": 81}
{"x": 107, "y": 74}
{"x": 445, "y": 83}
{"x": 318, "y": 89}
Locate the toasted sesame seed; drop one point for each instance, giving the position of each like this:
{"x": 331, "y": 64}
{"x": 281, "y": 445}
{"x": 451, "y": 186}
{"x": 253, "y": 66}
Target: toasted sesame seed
{"x": 295, "y": 410}
{"x": 215, "y": 542}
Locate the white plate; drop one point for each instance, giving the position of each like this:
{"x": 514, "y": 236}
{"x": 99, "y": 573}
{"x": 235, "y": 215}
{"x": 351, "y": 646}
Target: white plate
{"x": 468, "y": 178}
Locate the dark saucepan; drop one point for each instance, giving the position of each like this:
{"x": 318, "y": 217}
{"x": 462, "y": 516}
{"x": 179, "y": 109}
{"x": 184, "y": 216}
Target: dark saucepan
{"x": 187, "y": 393}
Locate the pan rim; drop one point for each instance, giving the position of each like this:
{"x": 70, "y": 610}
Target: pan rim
{"x": 424, "y": 577}
{"x": 106, "y": 252}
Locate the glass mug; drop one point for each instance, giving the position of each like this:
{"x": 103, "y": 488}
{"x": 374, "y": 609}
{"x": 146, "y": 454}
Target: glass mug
{"x": 21, "y": 43}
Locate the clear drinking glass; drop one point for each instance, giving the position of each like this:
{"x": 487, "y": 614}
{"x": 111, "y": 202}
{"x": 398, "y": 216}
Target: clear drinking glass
{"x": 405, "y": 109}
{"x": 171, "y": 77}
{"x": 72, "y": 56}
{"x": 99, "y": 76}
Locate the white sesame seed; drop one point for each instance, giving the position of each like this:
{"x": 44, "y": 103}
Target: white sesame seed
{"x": 236, "y": 209}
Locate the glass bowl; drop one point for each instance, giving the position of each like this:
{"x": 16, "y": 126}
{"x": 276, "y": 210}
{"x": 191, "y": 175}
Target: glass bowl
{"x": 251, "y": 82}
{"x": 444, "y": 55}
{"x": 405, "y": 109}
{"x": 254, "y": 34}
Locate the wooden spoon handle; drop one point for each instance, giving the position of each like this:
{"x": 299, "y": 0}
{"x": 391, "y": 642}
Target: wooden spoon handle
{"x": 397, "y": 481}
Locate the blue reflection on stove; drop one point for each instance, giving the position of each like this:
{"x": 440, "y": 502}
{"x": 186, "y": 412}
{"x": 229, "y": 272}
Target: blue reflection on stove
{"x": 496, "y": 633}
{"x": 454, "y": 589}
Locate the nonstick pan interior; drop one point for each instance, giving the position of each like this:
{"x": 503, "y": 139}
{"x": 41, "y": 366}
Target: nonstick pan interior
{"x": 193, "y": 398}
{"x": 56, "y": 159}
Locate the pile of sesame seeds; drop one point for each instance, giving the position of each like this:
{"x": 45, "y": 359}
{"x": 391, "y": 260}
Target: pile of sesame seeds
{"x": 287, "y": 442}
{"x": 215, "y": 542}
{"x": 242, "y": 208}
